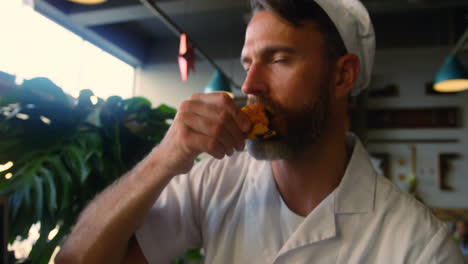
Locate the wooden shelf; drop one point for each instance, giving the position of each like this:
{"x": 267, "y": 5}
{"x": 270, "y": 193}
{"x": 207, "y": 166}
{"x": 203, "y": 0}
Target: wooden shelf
{"x": 446, "y": 117}
{"x": 413, "y": 141}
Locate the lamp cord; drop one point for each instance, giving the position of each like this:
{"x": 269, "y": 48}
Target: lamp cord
{"x": 460, "y": 43}
{"x": 158, "y": 12}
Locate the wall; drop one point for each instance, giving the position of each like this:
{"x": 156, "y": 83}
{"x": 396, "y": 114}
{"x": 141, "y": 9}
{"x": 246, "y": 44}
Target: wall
{"x": 160, "y": 80}
{"x": 161, "y": 83}
{"x": 410, "y": 69}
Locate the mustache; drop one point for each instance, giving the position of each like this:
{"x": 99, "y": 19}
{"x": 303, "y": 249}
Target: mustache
{"x": 271, "y": 107}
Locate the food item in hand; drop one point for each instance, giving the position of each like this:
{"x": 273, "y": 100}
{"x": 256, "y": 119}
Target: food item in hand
{"x": 257, "y": 115}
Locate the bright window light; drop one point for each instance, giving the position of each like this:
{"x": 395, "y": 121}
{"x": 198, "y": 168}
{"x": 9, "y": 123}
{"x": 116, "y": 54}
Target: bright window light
{"x": 6, "y": 166}
{"x": 31, "y": 46}
{"x": 53, "y": 233}
{"x": 34, "y": 46}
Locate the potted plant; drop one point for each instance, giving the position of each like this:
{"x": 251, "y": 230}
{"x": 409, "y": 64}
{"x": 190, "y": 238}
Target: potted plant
{"x": 64, "y": 151}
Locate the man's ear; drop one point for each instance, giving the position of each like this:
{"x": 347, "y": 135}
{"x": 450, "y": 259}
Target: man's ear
{"x": 346, "y": 72}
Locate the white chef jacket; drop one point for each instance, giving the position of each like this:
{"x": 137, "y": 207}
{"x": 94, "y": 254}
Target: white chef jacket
{"x": 232, "y": 209}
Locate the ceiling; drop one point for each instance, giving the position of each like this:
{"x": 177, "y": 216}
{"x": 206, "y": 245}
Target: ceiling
{"x": 130, "y": 29}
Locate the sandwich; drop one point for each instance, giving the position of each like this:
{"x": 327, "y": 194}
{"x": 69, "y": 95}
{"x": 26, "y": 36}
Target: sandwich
{"x": 260, "y": 128}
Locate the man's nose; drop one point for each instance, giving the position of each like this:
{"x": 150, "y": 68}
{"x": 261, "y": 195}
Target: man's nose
{"x": 255, "y": 82}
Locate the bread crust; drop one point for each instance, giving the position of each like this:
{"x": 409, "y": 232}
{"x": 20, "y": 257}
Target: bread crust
{"x": 257, "y": 115}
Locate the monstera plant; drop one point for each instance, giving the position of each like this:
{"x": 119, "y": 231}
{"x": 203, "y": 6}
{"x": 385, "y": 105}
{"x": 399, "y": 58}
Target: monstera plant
{"x": 64, "y": 151}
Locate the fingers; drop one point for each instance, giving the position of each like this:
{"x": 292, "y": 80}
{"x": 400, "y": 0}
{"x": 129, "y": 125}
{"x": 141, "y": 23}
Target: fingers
{"x": 210, "y": 129}
{"x": 226, "y": 103}
{"x": 197, "y": 143}
{"x": 210, "y": 123}
{"x": 225, "y": 115}
{"x": 214, "y": 122}
{"x": 182, "y": 145}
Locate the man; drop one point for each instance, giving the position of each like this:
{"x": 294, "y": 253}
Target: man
{"x": 307, "y": 195}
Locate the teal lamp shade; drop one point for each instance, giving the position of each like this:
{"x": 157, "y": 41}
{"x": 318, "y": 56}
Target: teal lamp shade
{"x": 218, "y": 83}
{"x": 452, "y": 77}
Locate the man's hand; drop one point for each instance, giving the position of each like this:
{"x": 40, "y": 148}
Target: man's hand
{"x": 210, "y": 123}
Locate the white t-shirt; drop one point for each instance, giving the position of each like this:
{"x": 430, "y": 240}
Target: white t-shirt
{"x": 232, "y": 209}
{"x": 290, "y": 221}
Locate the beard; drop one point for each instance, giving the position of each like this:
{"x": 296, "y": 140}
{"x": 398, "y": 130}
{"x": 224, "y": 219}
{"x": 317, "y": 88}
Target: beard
{"x": 301, "y": 128}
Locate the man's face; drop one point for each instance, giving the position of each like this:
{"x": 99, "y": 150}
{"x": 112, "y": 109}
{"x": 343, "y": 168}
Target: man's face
{"x": 288, "y": 73}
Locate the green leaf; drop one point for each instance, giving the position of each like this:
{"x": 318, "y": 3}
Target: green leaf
{"x": 166, "y": 109}
{"x": 74, "y": 158}
{"x": 48, "y": 250}
{"x": 53, "y": 162}
{"x": 84, "y": 99}
{"x": 15, "y": 201}
{"x": 111, "y": 112}
{"x": 85, "y": 106}
{"x": 27, "y": 196}
{"x": 45, "y": 90}
{"x": 59, "y": 169}
{"x": 7, "y": 186}
{"x": 50, "y": 190}
{"x": 97, "y": 163}
{"x": 113, "y": 105}
{"x": 23, "y": 178}
{"x": 161, "y": 117}
{"x": 21, "y": 224}
{"x": 13, "y": 184}
{"x": 39, "y": 193}
{"x": 194, "y": 254}
{"x": 90, "y": 141}
{"x": 43, "y": 248}
{"x": 12, "y": 97}
{"x": 134, "y": 104}
{"x": 38, "y": 247}
{"x": 8, "y": 146}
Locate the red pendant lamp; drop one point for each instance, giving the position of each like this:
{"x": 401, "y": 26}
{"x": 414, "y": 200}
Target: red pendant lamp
{"x": 186, "y": 57}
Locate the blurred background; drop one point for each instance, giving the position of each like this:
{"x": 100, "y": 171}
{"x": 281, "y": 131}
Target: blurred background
{"x": 417, "y": 136}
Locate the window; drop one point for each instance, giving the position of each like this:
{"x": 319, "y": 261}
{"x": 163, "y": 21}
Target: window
{"x": 31, "y": 45}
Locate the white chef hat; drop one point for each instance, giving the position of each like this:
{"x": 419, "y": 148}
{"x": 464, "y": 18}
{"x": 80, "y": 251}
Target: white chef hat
{"x": 353, "y": 23}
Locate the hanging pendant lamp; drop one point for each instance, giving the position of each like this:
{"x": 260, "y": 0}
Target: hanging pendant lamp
{"x": 453, "y": 76}
{"x": 219, "y": 83}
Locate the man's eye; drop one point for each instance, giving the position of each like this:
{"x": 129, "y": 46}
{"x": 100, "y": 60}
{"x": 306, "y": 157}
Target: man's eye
{"x": 279, "y": 60}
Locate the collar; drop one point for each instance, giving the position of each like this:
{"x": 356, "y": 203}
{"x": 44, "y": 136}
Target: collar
{"x": 354, "y": 194}
{"x": 356, "y": 191}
